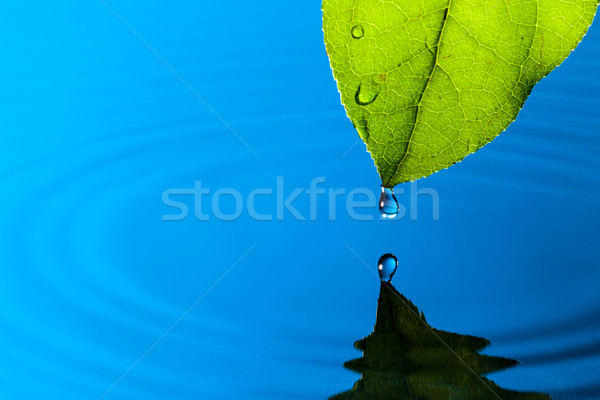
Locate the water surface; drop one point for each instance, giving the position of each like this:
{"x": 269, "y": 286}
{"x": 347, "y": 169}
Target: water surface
{"x": 96, "y": 128}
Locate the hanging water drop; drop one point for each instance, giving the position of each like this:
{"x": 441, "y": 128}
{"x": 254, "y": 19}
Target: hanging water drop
{"x": 357, "y": 31}
{"x": 388, "y": 205}
{"x": 387, "y": 266}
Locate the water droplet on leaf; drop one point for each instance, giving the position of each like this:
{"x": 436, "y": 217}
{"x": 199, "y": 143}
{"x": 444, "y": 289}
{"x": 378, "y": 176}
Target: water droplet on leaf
{"x": 387, "y": 266}
{"x": 388, "y": 205}
{"x": 357, "y": 31}
{"x": 366, "y": 93}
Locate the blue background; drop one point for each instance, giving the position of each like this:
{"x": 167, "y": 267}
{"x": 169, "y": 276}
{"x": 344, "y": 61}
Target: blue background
{"x": 95, "y": 128}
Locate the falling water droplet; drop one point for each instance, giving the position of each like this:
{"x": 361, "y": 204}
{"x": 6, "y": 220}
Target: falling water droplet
{"x": 387, "y": 266}
{"x": 357, "y": 31}
{"x": 388, "y": 205}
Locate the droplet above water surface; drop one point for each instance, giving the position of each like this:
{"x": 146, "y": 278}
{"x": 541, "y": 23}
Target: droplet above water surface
{"x": 387, "y": 266}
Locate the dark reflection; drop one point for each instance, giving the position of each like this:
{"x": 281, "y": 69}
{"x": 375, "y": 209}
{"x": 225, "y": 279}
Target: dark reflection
{"x": 405, "y": 358}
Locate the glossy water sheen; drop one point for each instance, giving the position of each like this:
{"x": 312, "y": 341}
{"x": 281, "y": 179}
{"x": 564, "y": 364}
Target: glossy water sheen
{"x": 95, "y": 129}
{"x": 387, "y": 267}
{"x": 388, "y": 204}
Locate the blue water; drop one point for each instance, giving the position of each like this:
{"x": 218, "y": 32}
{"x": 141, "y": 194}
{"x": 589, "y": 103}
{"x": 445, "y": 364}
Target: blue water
{"x": 95, "y": 128}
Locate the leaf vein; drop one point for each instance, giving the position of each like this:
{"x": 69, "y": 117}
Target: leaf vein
{"x": 418, "y": 105}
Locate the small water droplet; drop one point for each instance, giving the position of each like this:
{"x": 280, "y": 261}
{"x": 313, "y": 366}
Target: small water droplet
{"x": 357, "y": 31}
{"x": 366, "y": 93}
{"x": 387, "y": 266}
{"x": 388, "y": 205}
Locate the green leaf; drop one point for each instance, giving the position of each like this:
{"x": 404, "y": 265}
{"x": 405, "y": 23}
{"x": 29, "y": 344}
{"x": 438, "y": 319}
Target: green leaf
{"x": 427, "y": 82}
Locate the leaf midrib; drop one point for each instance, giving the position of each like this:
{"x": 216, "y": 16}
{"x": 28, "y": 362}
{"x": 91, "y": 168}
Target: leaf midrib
{"x": 418, "y": 105}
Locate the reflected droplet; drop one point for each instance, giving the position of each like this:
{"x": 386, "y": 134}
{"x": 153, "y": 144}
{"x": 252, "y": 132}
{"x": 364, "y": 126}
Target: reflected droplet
{"x": 366, "y": 93}
{"x": 357, "y": 31}
{"x": 388, "y": 205}
{"x": 387, "y": 266}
